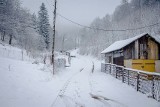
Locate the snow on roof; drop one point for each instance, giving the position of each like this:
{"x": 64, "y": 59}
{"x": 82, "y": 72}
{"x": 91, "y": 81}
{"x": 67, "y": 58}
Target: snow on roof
{"x": 157, "y": 38}
{"x": 120, "y": 44}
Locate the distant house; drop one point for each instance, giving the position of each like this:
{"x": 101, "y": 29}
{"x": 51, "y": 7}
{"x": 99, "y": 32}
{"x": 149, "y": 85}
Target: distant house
{"x": 141, "y": 52}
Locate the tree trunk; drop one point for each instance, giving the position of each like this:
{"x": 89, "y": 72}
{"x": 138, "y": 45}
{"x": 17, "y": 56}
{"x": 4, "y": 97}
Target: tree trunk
{"x": 2, "y": 37}
{"x": 44, "y": 60}
{"x": 10, "y": 39}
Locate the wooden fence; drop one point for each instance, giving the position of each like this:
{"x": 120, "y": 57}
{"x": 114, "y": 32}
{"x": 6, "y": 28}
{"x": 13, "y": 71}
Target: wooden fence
{"x": 144, "y": 82}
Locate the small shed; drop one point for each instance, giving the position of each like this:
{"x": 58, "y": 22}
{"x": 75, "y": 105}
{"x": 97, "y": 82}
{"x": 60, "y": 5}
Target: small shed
{"x": 141, "y": 52}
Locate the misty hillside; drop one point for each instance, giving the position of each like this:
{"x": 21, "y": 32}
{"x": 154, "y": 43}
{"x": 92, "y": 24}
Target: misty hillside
{"x": 140, "y": 16}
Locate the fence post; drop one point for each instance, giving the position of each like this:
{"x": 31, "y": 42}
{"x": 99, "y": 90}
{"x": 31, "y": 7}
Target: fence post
{"x": 123, "y": 75}
{"x": 105, "y": 65}
{"x": 110, "y": 69}
{"x": 153, "y": 87}
{"x": 128, "y": 76}
{"x": 137, "y": 81}
{"x": 134, "y": 78}
{"x": 116, "y": 71}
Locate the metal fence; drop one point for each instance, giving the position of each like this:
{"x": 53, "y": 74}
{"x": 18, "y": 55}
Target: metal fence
{"x": 144, "y": 82}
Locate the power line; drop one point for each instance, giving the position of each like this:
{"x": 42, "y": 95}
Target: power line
{"x": 102, "y": 29}
{"x": 106, "y": 29}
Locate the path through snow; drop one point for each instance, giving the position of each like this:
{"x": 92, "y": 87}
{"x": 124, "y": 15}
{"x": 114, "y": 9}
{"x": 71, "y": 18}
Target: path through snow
{"x": 86, "y": 88}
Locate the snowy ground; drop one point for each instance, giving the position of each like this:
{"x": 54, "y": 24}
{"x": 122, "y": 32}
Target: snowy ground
{"x": 23, "y": 84}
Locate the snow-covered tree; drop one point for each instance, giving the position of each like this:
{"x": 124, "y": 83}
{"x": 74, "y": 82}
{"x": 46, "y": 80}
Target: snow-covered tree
{"x": 35, "y": 22}
{"x": 19, "y": 27}
{"x": 44, "y": 24}
{"x": 8, "y": 18}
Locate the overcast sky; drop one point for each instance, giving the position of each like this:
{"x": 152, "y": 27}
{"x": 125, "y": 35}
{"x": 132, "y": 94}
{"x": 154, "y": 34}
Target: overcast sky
{"x": 81, "y": 11}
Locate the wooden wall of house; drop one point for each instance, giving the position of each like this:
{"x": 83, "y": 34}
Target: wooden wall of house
{"x": 148, "y": 48}
{"x": 143, "y": 48}
{"x": 159, "y": 52}
{"x": 108, "y": 58}
{"x": 128, "y": 63}
{"x": 129, "y": 51}
{"x": 136, "y": 48}
{"x": 157, "y": 66}
{"x": 153, "y": 49}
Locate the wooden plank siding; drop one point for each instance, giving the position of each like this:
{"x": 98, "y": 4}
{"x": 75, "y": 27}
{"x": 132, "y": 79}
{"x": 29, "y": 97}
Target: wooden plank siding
{"x": 136, "y": 49}
{"x": 129, "y": 51}
{"x": 143, "y": 48}
{"x": 145, "y": 65}
{"x": 152, "y": 49}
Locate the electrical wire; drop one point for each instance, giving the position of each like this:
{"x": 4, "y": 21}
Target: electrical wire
{"x": 107, "y": 29}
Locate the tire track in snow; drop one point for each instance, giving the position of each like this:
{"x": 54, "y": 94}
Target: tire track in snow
{"x": 77, "y": 104}
{"x": 90, "y": 80}
{"x": 63, "y": 89}
{"x": 102, "y": 99}
{"x": 68, "y": 100}
{"x": 89, "y": 77}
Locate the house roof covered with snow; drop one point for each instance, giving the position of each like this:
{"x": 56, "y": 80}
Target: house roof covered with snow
{"x": 122, "y": 43}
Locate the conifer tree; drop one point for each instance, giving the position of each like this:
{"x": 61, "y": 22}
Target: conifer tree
{"x": 43, "y": 24}
{"x": 34, "y": 22}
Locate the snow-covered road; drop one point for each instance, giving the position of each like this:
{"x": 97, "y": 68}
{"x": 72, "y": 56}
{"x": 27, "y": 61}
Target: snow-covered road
{"x": 77, "y": 89}
{"x": 23, "y": 84}
{"x": 88, "y": 88}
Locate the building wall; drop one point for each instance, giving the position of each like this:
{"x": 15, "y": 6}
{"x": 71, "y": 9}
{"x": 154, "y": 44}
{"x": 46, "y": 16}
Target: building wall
{"x": 136, "y": 49}
{"x": 143, "y": 48}
{"x": 157, "y": 65}
{"x": 152, "y": 50}
{"x": 145, "y": 65}
{"x": 129, "y": 51}
{"x": 107, "y": 58}
{"x": 128, "y": 63}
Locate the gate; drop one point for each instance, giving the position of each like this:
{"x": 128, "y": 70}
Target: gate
{"x": 144, "y": 65}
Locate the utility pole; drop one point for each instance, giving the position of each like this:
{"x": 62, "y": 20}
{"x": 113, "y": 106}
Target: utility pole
{"x": 75, "y": 42}
{"x": 54, "y": 32}
{"x": 63, "y": 39}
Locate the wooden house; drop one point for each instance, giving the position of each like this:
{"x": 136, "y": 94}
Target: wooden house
{"x": 141, "y": 52}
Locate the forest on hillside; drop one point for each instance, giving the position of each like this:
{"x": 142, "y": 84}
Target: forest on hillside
{"x": 137, "y": 15}
{"x": 19, "y": 27}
